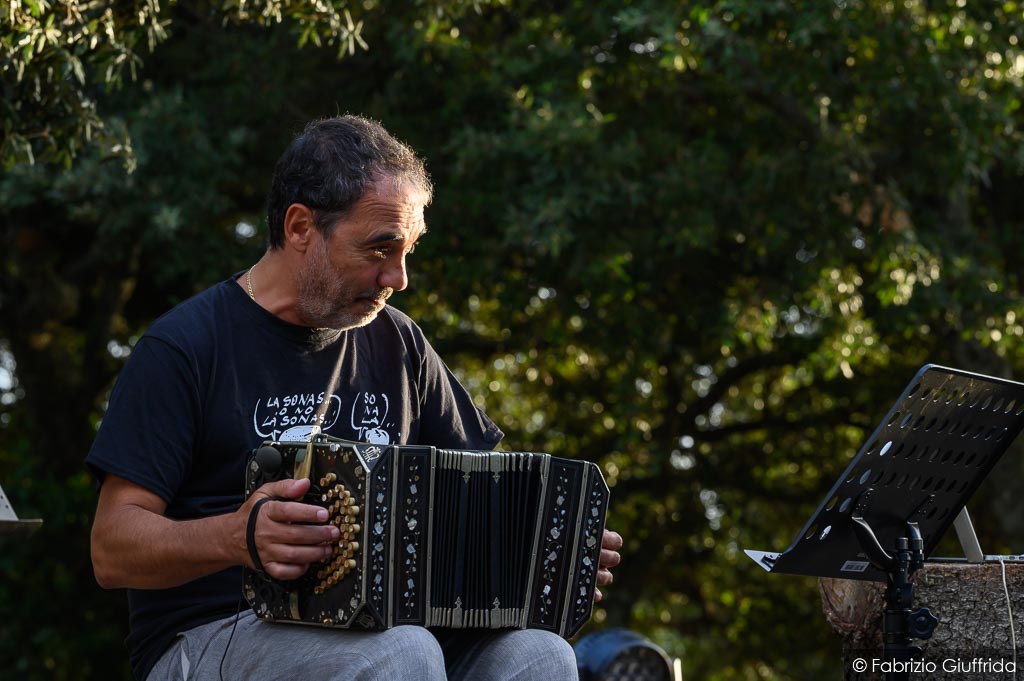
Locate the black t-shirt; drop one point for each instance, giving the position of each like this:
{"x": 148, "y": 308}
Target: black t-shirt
{"x": 218, "y": 375}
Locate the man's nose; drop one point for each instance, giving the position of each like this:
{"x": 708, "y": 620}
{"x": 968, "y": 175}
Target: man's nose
{"x": 394, "y": 275}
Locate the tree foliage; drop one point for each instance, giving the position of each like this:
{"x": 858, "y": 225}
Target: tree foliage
{"x": 59, "y": 56}
{"x": 703, "y": 244}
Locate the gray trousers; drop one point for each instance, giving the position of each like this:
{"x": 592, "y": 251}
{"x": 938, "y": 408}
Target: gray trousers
{"x": 277, "y": 652}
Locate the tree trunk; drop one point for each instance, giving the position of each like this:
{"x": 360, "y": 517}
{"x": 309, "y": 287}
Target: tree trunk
{"x": 973, "y": 640}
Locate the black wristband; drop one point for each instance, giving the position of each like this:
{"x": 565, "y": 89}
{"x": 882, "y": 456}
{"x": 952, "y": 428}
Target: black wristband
{"x": 250, "y": 533}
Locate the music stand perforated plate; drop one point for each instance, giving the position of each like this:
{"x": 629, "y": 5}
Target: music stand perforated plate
{"x": 922, "y": 464}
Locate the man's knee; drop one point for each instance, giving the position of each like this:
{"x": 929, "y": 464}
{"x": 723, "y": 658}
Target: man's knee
{"x": 550, "y": 653}
{"x": 520, "y": 655}
{"x": 391, "y": 655}
{"x": 408, "y": 652}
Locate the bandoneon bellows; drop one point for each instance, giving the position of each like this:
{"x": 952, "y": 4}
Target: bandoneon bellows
{"x": 439, "y": 537}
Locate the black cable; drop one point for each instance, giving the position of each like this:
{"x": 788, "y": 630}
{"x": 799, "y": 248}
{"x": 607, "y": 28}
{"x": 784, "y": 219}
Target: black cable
{"x": 250, "y": 542}
{"x": 238, "y": 614}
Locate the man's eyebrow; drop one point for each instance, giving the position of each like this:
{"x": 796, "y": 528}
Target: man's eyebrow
{"x": 386, "y": 237}
{"x": 390, "y": 237}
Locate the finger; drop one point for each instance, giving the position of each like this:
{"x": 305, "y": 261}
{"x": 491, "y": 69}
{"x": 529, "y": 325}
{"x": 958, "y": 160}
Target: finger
{"x": 597, "y": 595}
{"x": 609, "y": 559}
{"x": 611, "y": 540}
{"x": 298, "y": 535}
{"x": 604, "y": 577}
{"x": 294, "y": 512}
{"x": 286, "y": 554}
{"x": 276, "y": 526}
{"x": 303, "y": 535}
{"x": 285, "y": 489}
{"x": 285, "y": 571}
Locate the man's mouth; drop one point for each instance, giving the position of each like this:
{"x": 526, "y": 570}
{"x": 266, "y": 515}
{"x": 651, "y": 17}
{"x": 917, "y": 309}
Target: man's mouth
{"x": 376, "y": 299}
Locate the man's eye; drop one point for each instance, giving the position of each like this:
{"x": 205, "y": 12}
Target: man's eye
{"x": 388, "y": 251}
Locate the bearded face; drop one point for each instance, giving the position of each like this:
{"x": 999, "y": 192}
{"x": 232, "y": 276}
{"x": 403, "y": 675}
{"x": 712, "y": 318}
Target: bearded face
{"x": 329, "y": 298}
{"x": 348, "y": 274}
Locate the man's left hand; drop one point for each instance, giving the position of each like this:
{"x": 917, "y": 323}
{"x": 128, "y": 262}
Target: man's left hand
{"x": 610, "y": 545}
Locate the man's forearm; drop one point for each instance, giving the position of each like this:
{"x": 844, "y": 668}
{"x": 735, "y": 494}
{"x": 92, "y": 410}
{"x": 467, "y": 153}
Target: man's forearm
{"x": 145, "y": 550}
{"x": 134, "y": 545}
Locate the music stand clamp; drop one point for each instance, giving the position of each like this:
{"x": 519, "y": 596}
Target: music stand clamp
{"x": 900, "y": 624}
{"x": 903, "y": 489}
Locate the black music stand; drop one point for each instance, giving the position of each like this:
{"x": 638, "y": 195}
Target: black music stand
{"x": 908, "y": 483}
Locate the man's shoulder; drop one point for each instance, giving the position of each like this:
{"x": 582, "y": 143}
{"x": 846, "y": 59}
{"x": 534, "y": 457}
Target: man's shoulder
{"x": 391, "y": 320}
{"x": 399, "y": 318}
{"x": 193, "y": 319}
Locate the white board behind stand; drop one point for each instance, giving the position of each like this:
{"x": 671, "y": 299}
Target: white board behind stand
{"x": 9, "y": 521}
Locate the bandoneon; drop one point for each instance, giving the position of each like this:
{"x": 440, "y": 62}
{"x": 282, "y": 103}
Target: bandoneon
{"x": 439, "y": 537}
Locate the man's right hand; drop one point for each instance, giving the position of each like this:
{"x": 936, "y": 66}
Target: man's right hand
{"x": 289, "y": 535}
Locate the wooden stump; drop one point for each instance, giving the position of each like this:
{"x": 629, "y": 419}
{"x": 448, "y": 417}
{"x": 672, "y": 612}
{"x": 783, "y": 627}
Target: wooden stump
{"x": 973, "y": 635}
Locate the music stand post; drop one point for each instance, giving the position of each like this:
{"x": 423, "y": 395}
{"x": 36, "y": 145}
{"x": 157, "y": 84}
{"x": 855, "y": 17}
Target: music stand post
{"x": 903, "y": 489}
{"x": 900, "y": 623}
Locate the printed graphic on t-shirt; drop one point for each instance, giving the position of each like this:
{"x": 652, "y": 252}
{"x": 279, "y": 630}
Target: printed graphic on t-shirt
{"x": 291, "y": 418}
{"x": 369, "y": 414}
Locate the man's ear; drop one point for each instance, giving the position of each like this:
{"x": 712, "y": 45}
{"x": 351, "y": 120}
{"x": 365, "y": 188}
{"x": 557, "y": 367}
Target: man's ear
{"x": 298, "y": 227}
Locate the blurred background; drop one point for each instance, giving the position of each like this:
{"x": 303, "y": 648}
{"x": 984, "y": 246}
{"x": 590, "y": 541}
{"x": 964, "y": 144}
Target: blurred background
{"x": 704, "y": 244}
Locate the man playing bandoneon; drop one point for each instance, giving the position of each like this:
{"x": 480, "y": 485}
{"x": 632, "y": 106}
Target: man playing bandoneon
{"x": 247, "y": 361}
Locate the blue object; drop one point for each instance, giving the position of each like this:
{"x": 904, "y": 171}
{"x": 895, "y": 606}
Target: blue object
{"x": 621, "y": 655}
